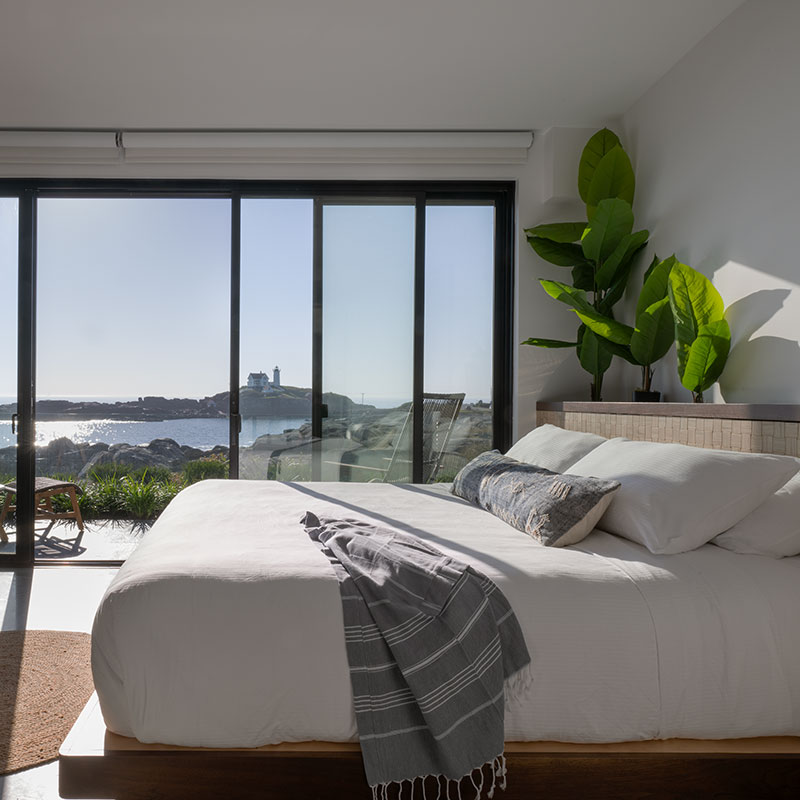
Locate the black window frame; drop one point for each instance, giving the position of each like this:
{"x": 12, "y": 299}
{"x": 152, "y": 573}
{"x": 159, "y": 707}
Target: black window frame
{"x": 500, "y": 194}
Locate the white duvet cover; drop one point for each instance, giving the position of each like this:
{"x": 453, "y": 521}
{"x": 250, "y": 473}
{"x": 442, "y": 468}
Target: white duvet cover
{"x": 224, "y": 628}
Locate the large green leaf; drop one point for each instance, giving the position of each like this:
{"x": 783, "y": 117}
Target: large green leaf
{"x": 596, "y": 148}
{"x": 613, "y": 178}
{"x": 617, "y": 288}
{"x": 594, "y": 356}
{"x": 558, "y": 253}
{"x": 567, "y": 294}
{"x": 653, "y": 264}
{"x": 552, "y": 343}
{"x": 611, "y": 224}
{"x": 695, "y": 302}
{"x": 583, "y": 277}
{"x": 707, "y": 356}
{"x": 622, "y": 351}
{"x": 655, "y": 284}
{"x": 606, "y": 327}
{"x": 558, "y": 231}
{"x": 654, "y": 334}
{"x": 628, "y": 246}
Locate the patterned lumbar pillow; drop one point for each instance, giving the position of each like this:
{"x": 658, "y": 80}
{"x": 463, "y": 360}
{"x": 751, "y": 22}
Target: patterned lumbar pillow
{"x": 554, "y": 509}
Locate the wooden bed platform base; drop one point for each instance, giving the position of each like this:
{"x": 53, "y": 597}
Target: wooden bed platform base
{"x": 97, "y": 764}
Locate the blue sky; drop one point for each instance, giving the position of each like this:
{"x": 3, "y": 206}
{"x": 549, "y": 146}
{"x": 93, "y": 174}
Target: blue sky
{"x": 134, "y": 296}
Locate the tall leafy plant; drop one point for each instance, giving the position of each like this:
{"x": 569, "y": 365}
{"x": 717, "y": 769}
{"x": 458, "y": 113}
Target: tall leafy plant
{"x": 653, "y": 333}
{"x": 702, "y": 334}
{"x": 599, "y": 251}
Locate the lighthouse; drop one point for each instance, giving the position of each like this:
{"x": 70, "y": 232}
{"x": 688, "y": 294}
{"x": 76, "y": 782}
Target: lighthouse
{"x": 276, "y": 378}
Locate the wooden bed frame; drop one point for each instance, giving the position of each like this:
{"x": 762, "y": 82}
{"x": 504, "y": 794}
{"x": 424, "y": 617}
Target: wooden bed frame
{"x": 97, "y": 764}
{"x": 94, "y": 763}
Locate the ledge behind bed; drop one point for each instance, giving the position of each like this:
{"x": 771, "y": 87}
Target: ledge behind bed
{"x": 722, "y": 426}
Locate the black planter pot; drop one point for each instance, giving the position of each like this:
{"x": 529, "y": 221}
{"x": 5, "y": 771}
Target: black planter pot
{"x": 640, "y": 396}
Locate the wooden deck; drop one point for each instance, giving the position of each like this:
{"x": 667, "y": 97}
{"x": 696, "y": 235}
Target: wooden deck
{"x": 97, "y": 764}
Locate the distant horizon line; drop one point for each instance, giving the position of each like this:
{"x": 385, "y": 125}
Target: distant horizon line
{"x": 393, "y": 401}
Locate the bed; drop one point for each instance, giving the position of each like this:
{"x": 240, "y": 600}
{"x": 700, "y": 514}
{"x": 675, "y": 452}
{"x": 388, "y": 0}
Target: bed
{"x": 224, "y": 631}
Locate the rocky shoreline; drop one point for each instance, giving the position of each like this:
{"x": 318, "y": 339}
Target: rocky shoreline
{"x": 64, "y": 457}
{"x": 366, "y": 428}
{"x": 289, "y": 401}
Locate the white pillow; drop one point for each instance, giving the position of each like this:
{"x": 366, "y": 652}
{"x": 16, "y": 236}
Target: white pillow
{"x": 554, "y": 448}
{"x": 773, "y": 529}
{"x": 674, "y": 497}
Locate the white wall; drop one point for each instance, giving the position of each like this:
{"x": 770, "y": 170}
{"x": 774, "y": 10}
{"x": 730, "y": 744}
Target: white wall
{"x": 716, "y": 148}
{"x": 552, "y": 196}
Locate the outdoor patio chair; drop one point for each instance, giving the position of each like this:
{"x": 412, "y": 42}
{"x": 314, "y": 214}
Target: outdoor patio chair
{"x": 44, "y": 490}
{"x": 439, "y": 412}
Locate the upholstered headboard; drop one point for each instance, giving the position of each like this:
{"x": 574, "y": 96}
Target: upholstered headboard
{"x": 735, "y": 426}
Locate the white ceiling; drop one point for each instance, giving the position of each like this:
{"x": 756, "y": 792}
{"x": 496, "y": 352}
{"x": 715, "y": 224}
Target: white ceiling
{"x": 338, "y": 64}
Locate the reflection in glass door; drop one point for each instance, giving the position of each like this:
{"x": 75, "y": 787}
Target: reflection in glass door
{"x": 367, "y": 267}
{"x": 9, "y": 421}
{"x": 275, "y": 339}
{"x": 459, "y": 321}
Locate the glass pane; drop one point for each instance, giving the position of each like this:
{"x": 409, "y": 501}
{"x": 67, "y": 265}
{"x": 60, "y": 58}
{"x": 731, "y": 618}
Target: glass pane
{"x": 275, "y": 352}
{"x": 459, "y": 291}
{"x": 368, "y": 321}
{"x": 9, "y": 242}
{"x": 132, "y": 367}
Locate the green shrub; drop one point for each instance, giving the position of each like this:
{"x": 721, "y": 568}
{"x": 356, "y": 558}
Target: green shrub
{"x": 62, "y": 476}
{"x": 142, "y": 499}
{"x": 102, "y": 497}
{"x": 109, "y": 470}
{"x": 169, "y": 489}
{"x": 160, "y": 474}
{"x": 133, "y": 496}
{"x": 121, "y": 491}
{"x": 215, "y": 466}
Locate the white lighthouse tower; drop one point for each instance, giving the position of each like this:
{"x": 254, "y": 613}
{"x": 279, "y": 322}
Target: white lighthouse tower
{"x": 276, "y": 378}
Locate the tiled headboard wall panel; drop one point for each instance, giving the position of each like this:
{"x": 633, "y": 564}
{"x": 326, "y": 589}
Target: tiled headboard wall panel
{"x": 679, "y": 424}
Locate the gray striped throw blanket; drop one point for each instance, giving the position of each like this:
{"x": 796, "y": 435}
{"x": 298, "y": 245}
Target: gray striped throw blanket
{"x": 434, "y": 651}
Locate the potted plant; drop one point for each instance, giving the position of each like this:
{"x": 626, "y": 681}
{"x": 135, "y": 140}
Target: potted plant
{"x": 702, "y": 334}
{"x": 654, "y": 330}
{"x": 600, "y": 251}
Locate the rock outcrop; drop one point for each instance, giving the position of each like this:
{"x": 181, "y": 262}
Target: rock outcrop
{"x": 165, "y": 453}
{"x": 65, "y": 457}
{"x": 62, "y": 456}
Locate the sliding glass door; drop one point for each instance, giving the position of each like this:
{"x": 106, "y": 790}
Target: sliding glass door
{"x": 380, "y": 315}
{"x": 275, "y": 334}
{"x": 133, "y": 303}
{"x": 459, "y": 324}
{"x": 367, "y": 340}
{"x": 164, "y": 333}
{"x": 9, "y": 416}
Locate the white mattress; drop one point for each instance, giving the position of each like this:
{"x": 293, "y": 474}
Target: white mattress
{"x": 224, "y": 628}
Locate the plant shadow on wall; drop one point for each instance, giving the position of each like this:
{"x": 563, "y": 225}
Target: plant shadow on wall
{"x": 759, "y": 365}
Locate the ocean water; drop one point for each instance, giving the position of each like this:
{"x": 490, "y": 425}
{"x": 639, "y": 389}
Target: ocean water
{"x": 201, "y": 433}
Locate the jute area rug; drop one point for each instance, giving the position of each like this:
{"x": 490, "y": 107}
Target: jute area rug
{"x": 45, "y": 681}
